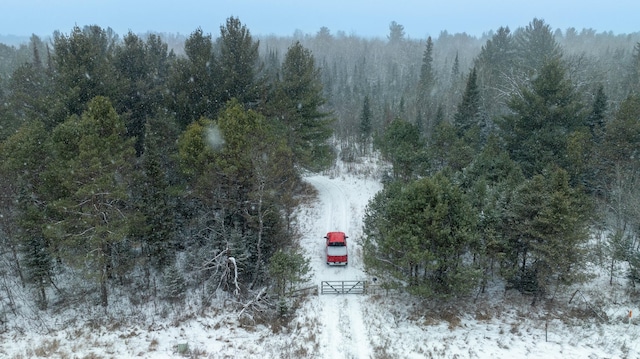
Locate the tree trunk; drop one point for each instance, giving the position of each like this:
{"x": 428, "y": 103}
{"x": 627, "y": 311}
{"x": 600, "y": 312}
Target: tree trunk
{"x": 104, "y": 298}
{"x": 105, "y": 274}
{"x": 256, "y": 271}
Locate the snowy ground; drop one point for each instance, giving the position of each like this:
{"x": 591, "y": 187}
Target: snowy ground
{"x": 383, "y": 325}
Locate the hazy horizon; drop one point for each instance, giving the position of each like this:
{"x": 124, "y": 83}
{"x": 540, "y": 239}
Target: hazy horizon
{"x": 368, "y": 19}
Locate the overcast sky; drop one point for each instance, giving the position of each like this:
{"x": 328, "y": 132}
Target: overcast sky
{"x": 366, "y": 18}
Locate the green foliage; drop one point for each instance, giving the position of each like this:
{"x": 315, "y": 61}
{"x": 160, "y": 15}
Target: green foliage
{"x": 425, "y": 96}
{"x": 288, "y": 268}
{"x": 622, "y": 134}
{"x": 597, "y": 118}
{"x": 634, "y": 71}
{"x": 402, "y": 145}
{"x": 297, "y": 106}
{"x": 143, "y": 69}
{"x": 93, "y": 195}
{"x": 175, "y": 285}
{"x": 547, "y": 228}
{"x": 84, "y": 69}
{"x": 396, "y": 33}
{"x": 448, "y": 150}
{"x": 365, "y": 120}
{"x": 75, "y": 195}
{"x": 238, "y": 63}
{"x": 467, "y": 118}
{"x": 26, "y": 154}
{"x": 420, "y": 233}
{"x": 194, "y": 153}
{"x": 154, "y": 198}
{"x": 193, "y": 83}
{"x": 495, "y": 67}
{"x": 542, "y": 119}
{"x": 536, "y": 46}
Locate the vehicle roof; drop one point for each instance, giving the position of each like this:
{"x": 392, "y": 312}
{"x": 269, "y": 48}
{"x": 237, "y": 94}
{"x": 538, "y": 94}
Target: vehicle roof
{"x": 336, "y": 237}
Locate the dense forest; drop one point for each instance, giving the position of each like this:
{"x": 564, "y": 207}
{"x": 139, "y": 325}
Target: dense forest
{"x": 145, "y": 170}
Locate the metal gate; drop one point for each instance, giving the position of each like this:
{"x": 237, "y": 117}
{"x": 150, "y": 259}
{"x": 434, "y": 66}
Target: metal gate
{"x": 343, "y": 287}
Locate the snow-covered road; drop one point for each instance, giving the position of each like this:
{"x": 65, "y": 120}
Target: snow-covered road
{"x": 340, "y": 207}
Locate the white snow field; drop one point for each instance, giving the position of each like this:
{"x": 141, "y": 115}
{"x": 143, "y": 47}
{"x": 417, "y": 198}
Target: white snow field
{"x": 381, "y": 325}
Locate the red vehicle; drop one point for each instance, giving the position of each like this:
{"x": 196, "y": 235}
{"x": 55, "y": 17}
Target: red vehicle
{"x": 337, "y": 248}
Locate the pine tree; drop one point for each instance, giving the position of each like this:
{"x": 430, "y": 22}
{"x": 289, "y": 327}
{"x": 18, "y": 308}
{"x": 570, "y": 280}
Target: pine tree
{"x": 419, "y": 233}
{"x": 238, "y": 64}
{"x": 297, "y": 106}
{"x": 634, "y": 70}
{"x": 620, "y": 179}
{"x": 543, "y": 116}
{"x": 84, "y": 67}
{"x": 143, "y": 69}
{"x": 597, "y": 118}
{"x": 194, "y": 81}
{"x": 402, "y": 145}
{"x": 92, "y": 205}
{"x": 546, "y": 233}
{"x": 396, "y": 33}
{"x": 489, "y": 182}
{"x": 365, "y": 122}
{"x": 288, "y": 268}
{"x": 175, "y": 285}
{"x": 536, "y": 46}
{"x": 155, "y": 205}
{"x": 467, "y": 119}
{"x": 26, "y": 155}
{"x": 495, "y": 70}
{"x": 426, "y": 84}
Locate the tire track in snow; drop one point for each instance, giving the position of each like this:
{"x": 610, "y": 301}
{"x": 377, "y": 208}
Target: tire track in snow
{"x": 343, "y": 333}
{"x": 336, "y": 213}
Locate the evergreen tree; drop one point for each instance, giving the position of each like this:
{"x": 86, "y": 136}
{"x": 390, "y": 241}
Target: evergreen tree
{"x": 132, "y": 67}
{"x": 425, "y": 96}
{"x": 238, "y": 64}
{"x": 175, "y": 285}
{"x": 455, "y": 69}
{"x": 402, "y": 145}
{"x": 288, "y": 268}
{"x": 365, "y": 121}
{"x": 467, "y": 119}
{"x": 154, "y": 197}
{"x": 297, "y": 106}
{"x": 495, "y": 71}
{"x": 489, "y": 182}
{"x": 396, "y": 33}
{"x": 26, "y": 155}
{"x": 243, "y": 173}
{"x": 84, "y": 69}
{"x": 597, "y": 118}
{"x": 634, "y": 71}
{"x": 93, "y": 204}
{"x": 547, "y": 230}
{"x": 258, "y": 166}
{"x": 536, "y": 46}
{"x": 542, "y": 118}
{"x": 29, "y": 88}
{"x": 419, "y": 233}
{"x": 194, "y": 82}
{"x": 620, "y": 179}
{"x": 143, "y": 69}
{"x": 447, "y": 149}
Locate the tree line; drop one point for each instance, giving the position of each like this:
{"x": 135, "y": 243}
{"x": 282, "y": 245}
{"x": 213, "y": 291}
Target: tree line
{"x": 127, "y": 163}
{"x": 128, "y": 167}
{"x": 517, "y": 184}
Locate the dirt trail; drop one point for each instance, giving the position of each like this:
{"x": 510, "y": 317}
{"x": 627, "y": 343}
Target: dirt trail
{"x": 342, "y": 330}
